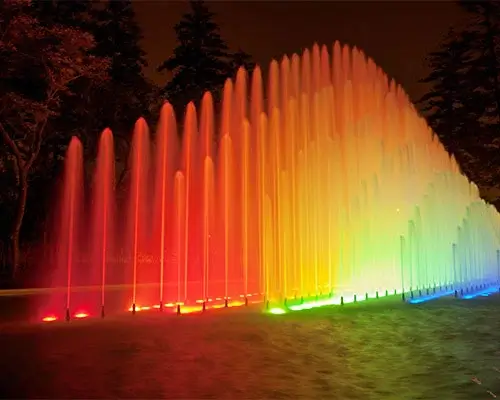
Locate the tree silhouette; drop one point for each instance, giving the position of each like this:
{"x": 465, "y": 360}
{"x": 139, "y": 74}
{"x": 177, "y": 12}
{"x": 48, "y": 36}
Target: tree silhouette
{"x": 484, "y": 31}
{"x": 450, "y": 105}
{"x": 127, "y": 95}
{"x": 242, "y": 59}
{"x": 201, "y": 62}
{"x": 38, "y": 65}
{"x": 463, "y": 106}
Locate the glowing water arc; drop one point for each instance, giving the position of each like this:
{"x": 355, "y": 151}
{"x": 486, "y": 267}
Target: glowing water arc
{"x": 334, "y": 187}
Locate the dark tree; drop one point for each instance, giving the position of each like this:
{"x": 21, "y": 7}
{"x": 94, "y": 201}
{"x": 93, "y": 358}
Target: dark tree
{"x": 484, "y": 29}
{"x": 200, "y": 62}
{"x": 463, "y": 106}
{"x": 122, "y": 99}
{"x": 450, "y": 105}
{"x": 119, "y": 35}
{"x": 242, "y": 59}
{"x": 118, "y": 38}
{"x": 128, "y": 94}
{"x": 76, "y": 14}
{"x": 78, "y": 114}
{"x": 39, "y": 63}
{"x": 484, "y": 32}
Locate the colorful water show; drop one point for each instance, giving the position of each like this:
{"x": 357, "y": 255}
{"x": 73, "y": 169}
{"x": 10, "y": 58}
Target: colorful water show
{"x": 318, "y": 186}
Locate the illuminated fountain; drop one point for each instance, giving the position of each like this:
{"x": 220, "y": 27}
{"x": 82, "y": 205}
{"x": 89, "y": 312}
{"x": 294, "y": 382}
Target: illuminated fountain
{"x": 333, "y": 190}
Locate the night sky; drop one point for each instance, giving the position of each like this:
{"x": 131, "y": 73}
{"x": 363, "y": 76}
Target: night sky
{"x": 396, "y": 34}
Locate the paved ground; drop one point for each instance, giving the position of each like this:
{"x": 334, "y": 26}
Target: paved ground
{"x": 374, "y": 351}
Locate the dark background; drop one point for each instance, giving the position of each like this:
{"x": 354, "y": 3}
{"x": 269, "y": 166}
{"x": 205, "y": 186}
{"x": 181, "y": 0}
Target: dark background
{"x": 398, "y": 35}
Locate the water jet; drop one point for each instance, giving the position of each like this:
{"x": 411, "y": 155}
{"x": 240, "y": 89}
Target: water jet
{"x": 334, "y": 184}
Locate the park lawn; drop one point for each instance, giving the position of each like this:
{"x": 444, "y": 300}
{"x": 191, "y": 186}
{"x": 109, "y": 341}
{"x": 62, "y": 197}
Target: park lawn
{"x": 378, "y": 350}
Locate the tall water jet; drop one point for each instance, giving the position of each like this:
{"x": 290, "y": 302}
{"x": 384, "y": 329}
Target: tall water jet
{"x": 73, "y": 202}
{"x": 206, "y": 153}
{"x": 68, "y": 228}
{"x": 165, "y": 167}
{"x": 180, "y": 238}
{"x": 226, "y": 213}
{"x": 208, "y": 221}
{"x": 103, "y": 207}
{"x": 139, "y": 216}
{"x": 245, "y": 196}
{"x": 257, "y": 176}
{"x": 333, "y": 188}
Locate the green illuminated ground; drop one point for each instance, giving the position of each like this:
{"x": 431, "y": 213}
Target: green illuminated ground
{"x": 384, "y": 351}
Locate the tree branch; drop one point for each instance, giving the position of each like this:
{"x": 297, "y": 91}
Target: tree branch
{"x": 38, "y": 145}
{"x": 18, "y": 162}
{"x": 11, "y": 144}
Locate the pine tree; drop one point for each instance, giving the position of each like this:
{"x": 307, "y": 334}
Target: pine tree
{"x": 118, "y": 36}
{"x": 484, "y": 32}
{"x": 463, "y": 106}
{"x": 484, "y": 29}
{"x": 127, "y": 96}
{"x": 454, "y": 106}
{"x": 200, "y": 62}
{"x": 451, "y": 106}
{"x": 242, "y": 59}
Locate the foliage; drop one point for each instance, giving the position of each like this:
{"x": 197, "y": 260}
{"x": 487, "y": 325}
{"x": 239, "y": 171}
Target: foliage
{"x": 450, "y": 105}
{"x": 484, "y": 42}
{"x": 128, "y": 95}
{"x": 40, "y": 63}
{"x": 463, "y": 105}
{"x": 117, "y": 38}
{"x": 201, "y": 62}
